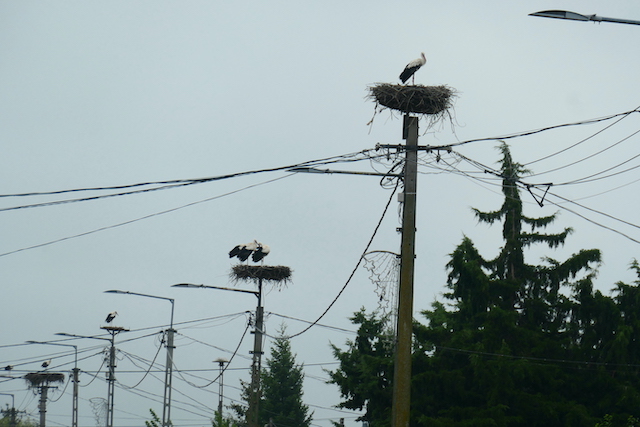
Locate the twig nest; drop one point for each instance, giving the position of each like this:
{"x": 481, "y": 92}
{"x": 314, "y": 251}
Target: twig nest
{"x": 418, "y": 99}
{"x": 270, "y": 273}
{"x": 36, "y": 379}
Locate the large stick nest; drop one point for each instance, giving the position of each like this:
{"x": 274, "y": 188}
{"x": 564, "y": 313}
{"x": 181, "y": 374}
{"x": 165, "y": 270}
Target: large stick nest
{"x": 277, "y": 274}
{"x": 418, "y": 99}
{"x": 36, "y": 379}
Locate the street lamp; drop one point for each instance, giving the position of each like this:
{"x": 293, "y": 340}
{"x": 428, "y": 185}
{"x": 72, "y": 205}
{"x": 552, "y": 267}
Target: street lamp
{"x": 257, "y": 346}
{"x": 76, "y": 372}
{"x": 166, "y": 404}
{"x": 565, "y": 14}
{"x": 221, "y": 361}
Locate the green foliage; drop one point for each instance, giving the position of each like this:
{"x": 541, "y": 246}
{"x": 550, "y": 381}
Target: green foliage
{"x": 155, "y": 421}
{"x": 365, "y": 374}
{"x": 219, "y": 421}
{"x": 282, "y": 392}
{"x": 608, "y": 421}
{"x": 515, "y": 344}
{"x": 7, "y": 413}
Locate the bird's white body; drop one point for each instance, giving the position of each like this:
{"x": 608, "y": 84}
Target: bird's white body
{"x": 111, "y": 316}
{"x": 412, "y": 67}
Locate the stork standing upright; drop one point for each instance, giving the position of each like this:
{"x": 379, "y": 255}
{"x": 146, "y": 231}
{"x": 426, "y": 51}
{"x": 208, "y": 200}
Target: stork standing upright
{"x": 261, "y": 252}
{"x": 411, "y": 68}
{"x": 111, "y": 316}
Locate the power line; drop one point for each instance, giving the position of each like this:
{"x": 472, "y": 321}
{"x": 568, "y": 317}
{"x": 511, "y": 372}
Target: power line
{"x": 353, "y": 272}
{"x": 624, "y": 116}
{"x": 588, "y": 157}
{"x": 350, "y": 157}
{"x": 86, "y": 233}
{"x": 533, "y": 132}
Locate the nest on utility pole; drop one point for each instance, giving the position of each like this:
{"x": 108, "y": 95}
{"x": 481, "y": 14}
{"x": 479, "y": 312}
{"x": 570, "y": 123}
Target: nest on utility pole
{"x": 279, "y": 274}
{"x": 36, "y": 379}
{"x": 431, "y": 102}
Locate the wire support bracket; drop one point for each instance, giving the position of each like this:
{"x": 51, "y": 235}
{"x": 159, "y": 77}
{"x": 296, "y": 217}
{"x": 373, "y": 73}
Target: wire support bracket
{"x": 539, "y": 200}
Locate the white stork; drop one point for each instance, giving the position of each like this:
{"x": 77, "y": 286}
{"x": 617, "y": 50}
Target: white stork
{"x": 111, "y": 316}
{"x": 244, "y": 251}
{"x": 46, "y": 363}
{"x": 261, "y": 252}
{"x": 412, "y": 67}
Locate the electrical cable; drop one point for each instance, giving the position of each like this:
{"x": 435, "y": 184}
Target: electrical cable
{"x": 586, "y": 158}
{"x": 592, "y": 178}
{"x": 148, "y": 370}
{"x": 178, "y": 183}
{"x": 86, "y": 233}
{"x": 224, "y": 369}
{"x": 353, "y": 272}
{"x": 624, "y": 116}
{"x": 527, "y": 186}
{"x": 533, "y": 132}
{"x": 335, "y": 328}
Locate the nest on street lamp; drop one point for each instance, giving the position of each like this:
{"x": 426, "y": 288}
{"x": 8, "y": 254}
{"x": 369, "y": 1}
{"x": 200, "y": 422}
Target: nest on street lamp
{"x": 277, "y": 274}
{"x": 37, "y": 379}
{"x": 433, "y": 102}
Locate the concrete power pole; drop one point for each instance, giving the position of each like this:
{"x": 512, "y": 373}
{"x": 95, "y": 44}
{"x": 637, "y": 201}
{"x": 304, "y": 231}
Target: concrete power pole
{"x": 402, "y": 367}
{"x": 168, "y": 375}
{"x": 42, "y": 406}
{"x": 76, "y": 381}
{"x": 42, "y": 382}
{"x": 111, "y": 375}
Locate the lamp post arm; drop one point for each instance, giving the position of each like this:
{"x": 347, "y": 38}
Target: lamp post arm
{"x": 189, "y": 285}
{"x": 573, "y": 16}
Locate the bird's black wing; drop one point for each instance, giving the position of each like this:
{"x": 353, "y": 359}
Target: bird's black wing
{"x": 235, "y": 251}
{"x": 407, "y": 73}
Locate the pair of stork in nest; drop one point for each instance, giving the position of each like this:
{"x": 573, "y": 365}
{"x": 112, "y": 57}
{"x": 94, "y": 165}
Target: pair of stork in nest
{"x": 256, "y": 250}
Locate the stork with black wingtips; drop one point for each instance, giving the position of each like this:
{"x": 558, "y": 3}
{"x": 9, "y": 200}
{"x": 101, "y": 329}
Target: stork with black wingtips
{"x": 111, "y": 316}
{"x": 411, "y": 68}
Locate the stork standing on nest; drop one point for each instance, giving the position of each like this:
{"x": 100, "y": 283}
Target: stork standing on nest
{"x": 411, "y": 68}
{"x": 260, "y": 252}
{"x": 256, "y": 250}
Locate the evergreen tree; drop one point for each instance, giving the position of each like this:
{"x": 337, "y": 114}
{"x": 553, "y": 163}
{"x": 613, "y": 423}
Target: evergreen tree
{"x": 219, "y": 421}
{"x": 515, "y": 344}
{"x": 154, "y": 421}
{"x": 507, "y": 316}
{"x": 366, "y": 370}
{"x": 11, "y": 413}
{"x": 281, "y": 403}
{"x": 281, "y": 390}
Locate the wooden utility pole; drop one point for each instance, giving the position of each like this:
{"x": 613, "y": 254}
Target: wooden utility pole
{"x": 402, "y": 367}
{"x": 256, "y": 365}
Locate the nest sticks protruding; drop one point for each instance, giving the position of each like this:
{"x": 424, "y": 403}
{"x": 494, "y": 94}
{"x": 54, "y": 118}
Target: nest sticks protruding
{"x": 278, "y": 274}
{"x": 418, "y": 99}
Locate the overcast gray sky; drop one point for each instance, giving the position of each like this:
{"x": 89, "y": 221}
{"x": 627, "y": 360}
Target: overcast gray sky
{"x": 101, "y": 94}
